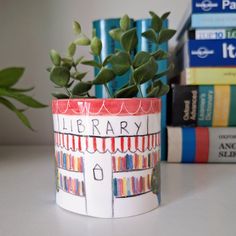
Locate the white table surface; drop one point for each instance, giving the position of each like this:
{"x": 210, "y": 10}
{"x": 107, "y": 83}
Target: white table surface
{"x": 196, "y": 200}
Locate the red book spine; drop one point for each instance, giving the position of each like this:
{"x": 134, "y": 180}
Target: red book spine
{"x": 202, "y": 145}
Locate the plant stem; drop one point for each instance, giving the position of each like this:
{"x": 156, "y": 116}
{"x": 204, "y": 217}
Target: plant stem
{"x": 68, "y": 92}
{"x": 108, "y": 91}
{"x": 133, "y": 80}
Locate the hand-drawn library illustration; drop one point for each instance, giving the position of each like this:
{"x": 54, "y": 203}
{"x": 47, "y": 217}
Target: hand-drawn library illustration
{"x": 108, "y": 158}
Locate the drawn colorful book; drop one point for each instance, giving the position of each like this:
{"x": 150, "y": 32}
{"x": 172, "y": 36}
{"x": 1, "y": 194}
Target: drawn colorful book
{"x": 208, "y": 53}
{"x": 147, "y": 46}
{"x": 201, "y": 145}
{"x": 102, "y": 28}
{"x": 208, "y": 75}
{"x": 203, "y": 105}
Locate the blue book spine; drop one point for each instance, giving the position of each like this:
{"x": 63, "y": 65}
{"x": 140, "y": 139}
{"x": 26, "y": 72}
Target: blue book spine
{"x": 213, "y": 6}
{"x": 205, "y": 105}
{"x": 213, "y": 20}
{"x": 145, "y": 45}
{"x": 188, "y": 145}
{"x": 207, "y": 53}
{"x": 102, "y": 28}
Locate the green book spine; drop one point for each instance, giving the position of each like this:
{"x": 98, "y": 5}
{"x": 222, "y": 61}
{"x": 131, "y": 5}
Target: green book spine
{"x": 232, "y": 110}
{"x": 205, "y": 105}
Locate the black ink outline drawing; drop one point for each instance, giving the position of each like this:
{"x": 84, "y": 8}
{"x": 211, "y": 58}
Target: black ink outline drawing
{"x": 95, "y": 168}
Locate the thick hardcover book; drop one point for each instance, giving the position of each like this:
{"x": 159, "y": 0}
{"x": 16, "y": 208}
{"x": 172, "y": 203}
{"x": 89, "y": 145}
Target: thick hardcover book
{"x": 203, "y": 105}
{"x": 102, "y": 28}
{"x": 208, "y": 75}
{"x": 147, "y": 46}
{"x": 184, "y": 105}
{"x": 208, "y": 53}
{"x": 201, "y": 145}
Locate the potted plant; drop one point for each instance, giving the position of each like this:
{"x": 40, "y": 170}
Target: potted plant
{"x": 107, "y": 150}
{"x": 8, "y": 78}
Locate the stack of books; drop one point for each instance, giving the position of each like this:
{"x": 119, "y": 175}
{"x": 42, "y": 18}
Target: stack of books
{"x": 102, "y": 28}
{"x": 203, "y": 105}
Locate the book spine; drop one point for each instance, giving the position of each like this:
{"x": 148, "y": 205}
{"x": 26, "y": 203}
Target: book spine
{"x": 102, "y": 28}
{"x": 184, "y": 105}
{"x": 215, "y": 106}
{"x": 205, "y": 105}
{"x": 147, "y": 46}
{"x": 212, "y": 34}
{"x": 232, "y": 113}
{"x": 213, "y": 20}
{"x": 207, "y": 76}
{"x": 204, "y": 53}
{"x": 201, "y": 145}
{"x": 213, "y": 6}
{"x": 221, "y": 105}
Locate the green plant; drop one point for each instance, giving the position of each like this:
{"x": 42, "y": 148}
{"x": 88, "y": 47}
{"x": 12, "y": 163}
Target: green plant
{"x": 142, "y": 67}
{"x": 8, "y": 78}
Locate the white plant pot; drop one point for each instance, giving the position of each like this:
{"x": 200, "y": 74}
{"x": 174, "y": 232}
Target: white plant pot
{"x": 108, "y": 155}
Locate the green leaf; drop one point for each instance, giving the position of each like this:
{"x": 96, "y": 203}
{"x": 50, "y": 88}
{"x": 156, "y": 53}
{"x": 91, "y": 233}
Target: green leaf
{"x": 66, "y": 62}
{"x": 165, "y": 16}
{"x": 158, "y": 89}
{"x": 129, "y": 40}
{"x": 60, "y": 95}
{"x": 151, "y": 35}
{"x": 106, "y": 61}
{"x": 79, "y": 75}
{"x": 104, "y": 76}
{"x": 127, "y": 92}
{"x": 78, "y": 61}
{"x": 120, "y": 62}
{"x": 55, "y": 57}
{"x": 92, "y": 63}
{"x": 146, "y": 71}
{"x": 60, "y": 76}
{"x": 116, "y": 34}
{"x": 94, "y": 33}
{"x": 160, "y": 55}
{"x": 71, "y": 49}
{"x": 160, "y": 75}
{"x": 76, "y": 27}
{"x": 81, "y": 88}
{"x": 141, "y": 58}
{"x": 18, "y": 112}
{"x": 163, "y": 73}
{"x": 10, "y": 76}
{"x": 26, "y": 100}
{"x": 96, "y": 46}
{"x": 156, "y": 21}
{"x": 165, "y": 35}
{"x": 83, "y": 40}
{"x": 125, "y": 23}
{"x": 163, "y": 91}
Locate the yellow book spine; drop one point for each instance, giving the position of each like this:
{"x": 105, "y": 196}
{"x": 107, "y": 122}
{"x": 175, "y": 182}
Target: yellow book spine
{"x": 216, "y": 76}
{"x": 140, "y": 161}
{"x": 124, "y": 186}
{"x": 76, "y": 160}
{"x": 221, "y": 105}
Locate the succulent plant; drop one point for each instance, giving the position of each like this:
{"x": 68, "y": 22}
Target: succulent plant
{"x": 8, "y": 78}
{"x": 143, "y": 67}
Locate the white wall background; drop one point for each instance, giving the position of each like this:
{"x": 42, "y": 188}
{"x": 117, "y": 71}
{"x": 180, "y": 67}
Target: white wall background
{"x": 30, "y": 28}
